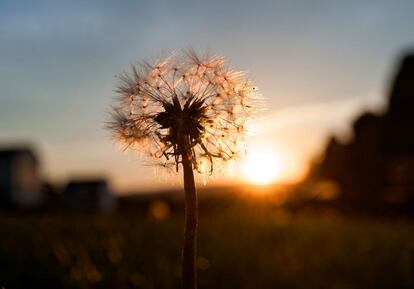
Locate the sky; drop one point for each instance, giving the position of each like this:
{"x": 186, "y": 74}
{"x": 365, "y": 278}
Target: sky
{"x": 318, "y": 64}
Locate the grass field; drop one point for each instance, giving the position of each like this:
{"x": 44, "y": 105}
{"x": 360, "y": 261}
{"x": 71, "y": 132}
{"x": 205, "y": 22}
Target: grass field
{"x": 240, "y": 247}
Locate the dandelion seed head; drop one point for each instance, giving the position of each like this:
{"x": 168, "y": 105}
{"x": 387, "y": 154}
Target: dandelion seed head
{"x": 184, "y": 102}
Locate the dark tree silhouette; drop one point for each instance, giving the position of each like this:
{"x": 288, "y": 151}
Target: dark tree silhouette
{"x": 374, "y": 170}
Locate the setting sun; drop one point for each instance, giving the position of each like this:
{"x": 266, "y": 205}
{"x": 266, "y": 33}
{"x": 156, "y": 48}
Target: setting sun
{"x": 263, "y": 167}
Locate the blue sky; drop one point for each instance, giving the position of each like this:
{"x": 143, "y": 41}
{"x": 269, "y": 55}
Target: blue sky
{"x": 58, "y": 60}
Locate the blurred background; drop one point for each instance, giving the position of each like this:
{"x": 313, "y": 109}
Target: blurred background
{"x": 323, "y": 199}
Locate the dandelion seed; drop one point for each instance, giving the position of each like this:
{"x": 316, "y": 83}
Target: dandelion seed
{"x": 157, "y": 110}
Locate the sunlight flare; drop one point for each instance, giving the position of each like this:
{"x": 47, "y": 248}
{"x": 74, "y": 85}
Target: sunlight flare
{"x": 263, "y": 166}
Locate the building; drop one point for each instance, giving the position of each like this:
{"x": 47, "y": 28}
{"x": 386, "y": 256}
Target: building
{"x": 88, "y": 195}
{"x": 20, "y": 180}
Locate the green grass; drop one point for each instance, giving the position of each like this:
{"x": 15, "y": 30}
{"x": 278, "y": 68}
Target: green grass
{"x": 240, "y": 247}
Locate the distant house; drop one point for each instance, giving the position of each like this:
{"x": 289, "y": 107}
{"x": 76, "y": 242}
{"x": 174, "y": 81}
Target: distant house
{"x": 20, "y": 181}
{"x": 85, "y": 195}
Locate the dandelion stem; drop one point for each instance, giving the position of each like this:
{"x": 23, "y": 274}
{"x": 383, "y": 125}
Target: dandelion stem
{"x": 189, "y": 275}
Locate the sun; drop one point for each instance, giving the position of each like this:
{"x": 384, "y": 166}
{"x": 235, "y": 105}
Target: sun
{"x": 263, "y": 166}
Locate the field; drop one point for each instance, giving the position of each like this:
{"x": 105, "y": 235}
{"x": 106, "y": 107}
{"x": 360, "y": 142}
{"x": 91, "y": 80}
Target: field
{"x": 240, "y": 246}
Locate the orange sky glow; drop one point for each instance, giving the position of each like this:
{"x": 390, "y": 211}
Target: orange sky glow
{"x": 280, "y": 148}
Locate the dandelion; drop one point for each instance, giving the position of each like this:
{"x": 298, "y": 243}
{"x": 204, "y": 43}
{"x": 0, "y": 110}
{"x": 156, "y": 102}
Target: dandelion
{"x": 188, "y": 112}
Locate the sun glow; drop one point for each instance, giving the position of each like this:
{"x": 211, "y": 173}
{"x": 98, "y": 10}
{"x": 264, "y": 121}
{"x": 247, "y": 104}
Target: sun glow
{"x": 263, "y": 166}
